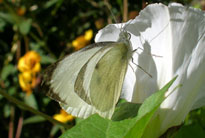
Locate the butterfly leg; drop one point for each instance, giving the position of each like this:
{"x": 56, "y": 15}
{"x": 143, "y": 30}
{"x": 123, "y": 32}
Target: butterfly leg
{"x": 141, "y": 68}
{"x": 132, "y": 68}
{"x": 148, "y": 54}
{"x": 135, "y": 50}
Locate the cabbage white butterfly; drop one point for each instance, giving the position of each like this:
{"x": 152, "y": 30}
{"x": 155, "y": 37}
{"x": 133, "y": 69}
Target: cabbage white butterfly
{"x": 90, "y": 80}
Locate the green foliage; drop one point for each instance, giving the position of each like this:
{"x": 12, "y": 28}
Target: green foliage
{"x": 31, "y": 100}
{"x": 49, "y": 27}
{"x": 24, "y": 26}
{"x": 95, "y": 126}
{"x": 125, "y": 110}
{"x": 7, "y": 70}
{"x": 190, "y": 131}
{"x": 34, "y": 119}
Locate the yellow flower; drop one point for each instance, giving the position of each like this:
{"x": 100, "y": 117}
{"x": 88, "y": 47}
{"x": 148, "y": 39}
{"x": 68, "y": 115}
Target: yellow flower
{"x": 82, "y": 40}
{"x": 21, "y": 11}
{"x": 99, "y": 23}
{"x": 63, "y": 116}
{"x": 79, "y": 42}
{"x": 30, "y": 62}
{"x": 25, "y": 80}
{"x": 29, "y": 65}
{"x": 88, "y": 35}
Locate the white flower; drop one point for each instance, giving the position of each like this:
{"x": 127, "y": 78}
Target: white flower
{"x": 173, "y": 43}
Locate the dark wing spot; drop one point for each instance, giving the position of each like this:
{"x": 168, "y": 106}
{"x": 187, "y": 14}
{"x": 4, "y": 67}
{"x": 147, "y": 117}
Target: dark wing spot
{"x": 55, "y": 96}
{"x": 98, "y": 80}
{"x": 97, "y": 66}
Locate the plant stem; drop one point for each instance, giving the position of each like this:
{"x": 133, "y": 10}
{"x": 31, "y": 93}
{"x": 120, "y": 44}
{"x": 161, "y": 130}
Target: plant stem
{"x": 26, "y": 42}
{"x": 11, "y": 123}
{"x": 125, "y": 10}
{"x": 23, "y": 106}
{"x": 19, "y": 128}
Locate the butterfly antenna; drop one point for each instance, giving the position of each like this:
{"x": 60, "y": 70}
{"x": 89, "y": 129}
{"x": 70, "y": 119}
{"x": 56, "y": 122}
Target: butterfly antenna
{"x": 159, "y": 32}
{"x": 109, "y": 8}
{"x": 129, "y": 22}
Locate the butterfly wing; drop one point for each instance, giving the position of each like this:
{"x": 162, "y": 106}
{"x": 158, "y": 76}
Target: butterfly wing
{"x": 59, "y": 81}
{"x": 89, "y": 80}
{"x": 108, "y": 77}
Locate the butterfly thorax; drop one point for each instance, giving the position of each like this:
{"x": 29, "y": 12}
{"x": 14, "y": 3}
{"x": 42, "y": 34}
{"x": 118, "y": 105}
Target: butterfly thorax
{"x": 124, "y": 37}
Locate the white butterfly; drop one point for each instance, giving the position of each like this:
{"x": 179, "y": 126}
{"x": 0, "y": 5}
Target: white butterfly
{"x": 90, "y": 80}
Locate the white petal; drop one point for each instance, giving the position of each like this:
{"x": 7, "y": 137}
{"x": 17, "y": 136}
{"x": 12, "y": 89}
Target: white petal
{"x": 182, "y": 46}
{"x": 156, "y": 34}
{"x": 173, "y": 41}
{"x": 109, "y": 33}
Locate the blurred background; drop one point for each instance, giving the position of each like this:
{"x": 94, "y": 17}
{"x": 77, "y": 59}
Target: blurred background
{"x": 34, "y": 34}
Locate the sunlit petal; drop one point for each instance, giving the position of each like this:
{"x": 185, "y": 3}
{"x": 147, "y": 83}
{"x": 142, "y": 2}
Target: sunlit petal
{"x": 169, "y": 42}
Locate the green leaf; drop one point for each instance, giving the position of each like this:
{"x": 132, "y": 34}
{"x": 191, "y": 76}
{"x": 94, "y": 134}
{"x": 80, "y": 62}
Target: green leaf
{"x": 47, "y": 59}
{"x": 24, "y": 106}
{"x": 54, "y": 130}
{"x": 24, "y": 26}
{"x": 119, "y": 2}
{"x": 125, "y": 111}
{"x": 12, "y": 90}
{"x": 7, "y": 17}
{"x": 98, "y": 127}
{"x": 50, "y": 3}
{"x": 147, "y": 111}
{"x": 46, "y": 100}
{"x": 190, "y": 131}
{"x": 1, "y": 97}
{"x": 31, "y": 101}
{"x": 7, "y": 70}
{"x": 2, "y": 24}
{"x": 78, "y": 120}
{"x": 7, "y": 110}
{"x": 34, "y": 119}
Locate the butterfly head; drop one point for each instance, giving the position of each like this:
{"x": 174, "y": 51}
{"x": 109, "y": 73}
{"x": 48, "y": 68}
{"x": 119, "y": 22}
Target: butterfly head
{"x": 124, "y": 36}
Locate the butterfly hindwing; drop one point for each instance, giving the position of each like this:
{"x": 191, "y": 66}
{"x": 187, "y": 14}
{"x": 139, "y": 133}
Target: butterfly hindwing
{"x": 107, "y": 78}
{"x": 82, "y": 83}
